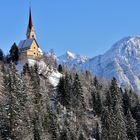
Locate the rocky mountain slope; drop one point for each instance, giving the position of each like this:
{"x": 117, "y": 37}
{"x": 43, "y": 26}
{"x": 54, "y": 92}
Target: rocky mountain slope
{"x": 121, "y": 61}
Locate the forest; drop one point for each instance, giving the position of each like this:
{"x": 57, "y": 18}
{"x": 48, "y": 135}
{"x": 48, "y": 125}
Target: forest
{"x": 81, "y": 107}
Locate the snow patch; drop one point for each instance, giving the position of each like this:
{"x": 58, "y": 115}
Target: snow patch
{"x": 54, "y": 78}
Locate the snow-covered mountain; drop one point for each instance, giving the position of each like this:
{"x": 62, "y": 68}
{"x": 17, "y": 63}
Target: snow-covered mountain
{"x": 71, "y": 59}
{"x": 121, "y": 61}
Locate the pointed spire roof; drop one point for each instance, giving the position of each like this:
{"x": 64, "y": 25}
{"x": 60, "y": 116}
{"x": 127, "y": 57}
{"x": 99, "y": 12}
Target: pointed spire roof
{"x": 30, "y": 29}
{"x": 30, "y": 19}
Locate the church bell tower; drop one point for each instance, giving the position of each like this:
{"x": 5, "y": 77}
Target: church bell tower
{"x": 30, "y": 29}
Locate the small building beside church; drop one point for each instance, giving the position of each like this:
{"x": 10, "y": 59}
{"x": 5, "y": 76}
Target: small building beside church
{"x": 29, "y": 48}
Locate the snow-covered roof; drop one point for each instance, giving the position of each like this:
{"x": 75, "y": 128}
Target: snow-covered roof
{"x": 25, "y": 43}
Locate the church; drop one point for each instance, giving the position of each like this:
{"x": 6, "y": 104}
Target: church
{"x": 29, "y": 48}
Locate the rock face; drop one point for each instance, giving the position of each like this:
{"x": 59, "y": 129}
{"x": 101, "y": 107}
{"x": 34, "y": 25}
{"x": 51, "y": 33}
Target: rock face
{"x": 121, "y": 61}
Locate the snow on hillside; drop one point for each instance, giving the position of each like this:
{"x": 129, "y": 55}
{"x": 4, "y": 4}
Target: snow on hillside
{"x": 50, "y": 73}
{"x": 54, "y": 78}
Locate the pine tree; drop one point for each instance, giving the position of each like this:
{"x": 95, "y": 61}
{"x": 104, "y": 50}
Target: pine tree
{"x": 64, "y": 91}
{"x": 136, "y": 115}
{"x": 14, "y": 53}
{"x": 131, "y": 126}
{"x": 97, "y": 132}
{"x": 13, "y": 109}
{"x": 37, "y": 98}
{"x": 60, "y": 68}
{"x": 115, "y": 92}
{"x": 96, "y": 83}
{"x": 61, "y": 91}
{"x": 120, "y": 129}
{"x": 108, "y": 124}
{"x": 50, "y": 123}
{"x": 1, "y": 55}
{"x": 126, "y": 102}
{"x": 63, "y": 135}
{"x": 98, "y": 107}
{"x": 78, "y": 98}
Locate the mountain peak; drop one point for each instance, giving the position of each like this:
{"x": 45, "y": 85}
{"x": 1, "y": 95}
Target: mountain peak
{"x": 121, "y": 61}
{"x": 70, "y": 55}
{"x": 71, "y": 59}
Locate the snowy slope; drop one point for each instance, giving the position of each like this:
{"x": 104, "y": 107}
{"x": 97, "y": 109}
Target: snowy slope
{"x": 71, "y": 59}
{"x": 51, "y": 74}
{"x": 121, "y": 61}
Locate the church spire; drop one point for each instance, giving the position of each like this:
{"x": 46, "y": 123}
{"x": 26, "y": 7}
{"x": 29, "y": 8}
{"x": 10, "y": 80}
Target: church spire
{"x": 30, "y": 20}
{"x": 30, "y": 29}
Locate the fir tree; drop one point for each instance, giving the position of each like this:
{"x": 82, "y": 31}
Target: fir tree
{"x": 13, "y": 107}
{"x": 37, "y": 98}
{"x": 131, "y": 126}
{"x": 60, "y": 68}
{"x": 62, "y": 95}
{"x": 14, "y": 53}
{"x": 96, "y": 83}
{"x": 115, "y": 92}
{"x": 136, "y": 115}
{"x": 63, "y": 135}
{"x": 78, "y": 98}
{"x": 126, "y": 102}
{"x": 1, "y": 55}
{"x": 98, "y": 107}
{"x": 108, "y": 124}
{"x": 64, "y": 91}
{"x": 97, "y": 132}
{"x": 120, "y": 129}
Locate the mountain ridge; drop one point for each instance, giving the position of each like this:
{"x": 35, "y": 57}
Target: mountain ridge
{"x": 121, "y": 61}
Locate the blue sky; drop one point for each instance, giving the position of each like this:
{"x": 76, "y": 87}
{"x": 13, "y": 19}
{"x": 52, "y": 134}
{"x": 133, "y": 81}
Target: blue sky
{"x": 88, "y": 27}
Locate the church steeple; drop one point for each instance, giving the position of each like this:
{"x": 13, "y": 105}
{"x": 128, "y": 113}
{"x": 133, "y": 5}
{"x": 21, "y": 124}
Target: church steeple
{"x": 30, "y": 29}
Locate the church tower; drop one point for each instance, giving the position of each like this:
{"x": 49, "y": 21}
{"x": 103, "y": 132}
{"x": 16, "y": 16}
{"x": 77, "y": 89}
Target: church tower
{"x": 30, "y": 29}
{"x": 29, "y": 48}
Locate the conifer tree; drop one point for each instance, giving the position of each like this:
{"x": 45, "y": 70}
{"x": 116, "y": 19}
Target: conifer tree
{"x": 78, "y": 98}
{"x": 1, "y": 55}
{"x": 14, "y": 53}
{"x": 96, "y": 83}
{"x": 97, "y": 132}
{"x": 37, "y": 98}
{"x": 130, "y": 126}
{"x": 108, "y": 124}
{"x": 61, "y": 91}
{"x": 64, "y": 91}
{"x": 63, "y": 135}
{"x": 115, "y": 92}
{"x": 126, "y": 102}
{"x": 136, "y": 115}
{"x": 120, "y": 129}
{"x": 98, "y": 107}
{"x": 14, "y": 118}
{"x": 60, "y": 68}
